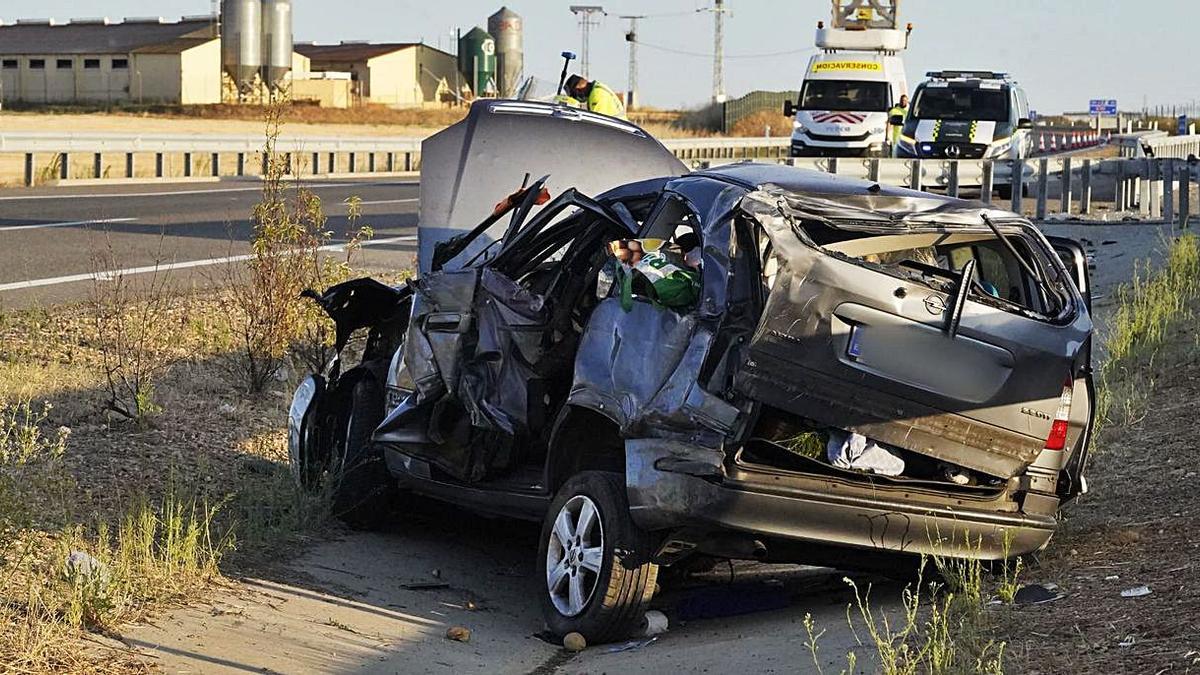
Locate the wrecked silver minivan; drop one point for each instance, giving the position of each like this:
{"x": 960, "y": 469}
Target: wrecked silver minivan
{"x": 866, "y": 371}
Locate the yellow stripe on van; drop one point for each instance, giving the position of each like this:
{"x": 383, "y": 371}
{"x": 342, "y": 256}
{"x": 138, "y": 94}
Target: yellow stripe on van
{"x": 826, "y": 66}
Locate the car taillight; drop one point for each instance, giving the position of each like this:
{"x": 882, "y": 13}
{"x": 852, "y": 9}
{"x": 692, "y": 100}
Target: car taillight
{"x": 1057, "y": 440}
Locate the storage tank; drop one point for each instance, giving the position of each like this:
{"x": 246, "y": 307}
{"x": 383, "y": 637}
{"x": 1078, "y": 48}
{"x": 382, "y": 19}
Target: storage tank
{"x": 277, "y": 40}
{"x": 505, "y": 27}
{"x": 477, "y": 60}
{"x": 241, "y": 40}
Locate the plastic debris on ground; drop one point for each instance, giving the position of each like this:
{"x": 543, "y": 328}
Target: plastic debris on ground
{"x": 857, "y": 452}
{"x": 1037, "y": 594}
{"x": 631, "y": 645}
{"x": 1136, "y": 592}
{"x": 654, "y": 623}
{"x": 458, "y": 634}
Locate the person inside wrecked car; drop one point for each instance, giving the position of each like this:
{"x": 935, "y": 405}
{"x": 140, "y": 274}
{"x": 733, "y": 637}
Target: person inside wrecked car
{"x": 594, "y": 96}
{"x": 665, "y": 273}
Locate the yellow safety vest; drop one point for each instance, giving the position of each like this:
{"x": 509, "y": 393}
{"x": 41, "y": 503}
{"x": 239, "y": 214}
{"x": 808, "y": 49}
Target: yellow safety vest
{"x": 605, "y": 101}
{"x": 894, "y": 130}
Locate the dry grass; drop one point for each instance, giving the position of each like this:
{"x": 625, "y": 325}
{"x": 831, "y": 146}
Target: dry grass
{"x": 758, "y": 123}
{"x": 151, "y": 467}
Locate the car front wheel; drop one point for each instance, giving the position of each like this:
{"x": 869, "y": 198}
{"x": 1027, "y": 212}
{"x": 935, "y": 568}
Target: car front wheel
{"x": 594, "y": 560}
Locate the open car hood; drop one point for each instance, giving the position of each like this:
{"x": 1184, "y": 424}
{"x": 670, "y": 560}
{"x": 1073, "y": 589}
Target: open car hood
{"x": 469, "y": 167}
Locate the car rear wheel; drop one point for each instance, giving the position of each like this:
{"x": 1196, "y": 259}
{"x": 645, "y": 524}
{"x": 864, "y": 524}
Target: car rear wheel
{"x": 362, "y": 487}
{"x": 594, "y": 560}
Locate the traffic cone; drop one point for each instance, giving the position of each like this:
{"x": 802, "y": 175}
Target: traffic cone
{"x": 1041, "y": 143}
{"x": 1053, "y": 142}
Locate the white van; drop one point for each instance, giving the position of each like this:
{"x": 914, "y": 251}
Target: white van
{"x": 843, "y": 106}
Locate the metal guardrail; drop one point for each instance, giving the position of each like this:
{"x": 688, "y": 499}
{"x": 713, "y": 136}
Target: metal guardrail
{"x": 315, "y": 155}
{"x": 1062, "y": 186}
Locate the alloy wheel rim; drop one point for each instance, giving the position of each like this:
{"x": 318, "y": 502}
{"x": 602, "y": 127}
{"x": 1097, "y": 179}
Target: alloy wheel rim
{"x": 574, "y": 556}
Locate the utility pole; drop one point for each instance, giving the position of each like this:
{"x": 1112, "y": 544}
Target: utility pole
{"x": 718, "y": 11}
{"x": 587, "y": 20}
{"x": 632, "y": 37}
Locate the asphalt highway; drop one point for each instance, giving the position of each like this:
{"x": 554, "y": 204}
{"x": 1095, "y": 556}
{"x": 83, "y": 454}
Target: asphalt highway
{"x": 52, "y": 241}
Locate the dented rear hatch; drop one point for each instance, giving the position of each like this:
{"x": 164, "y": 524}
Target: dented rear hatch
{"x": 858, "y": 337}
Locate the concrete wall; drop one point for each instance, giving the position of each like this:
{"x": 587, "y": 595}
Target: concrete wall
{"x": 432, "y": 67}
{"x": 156, "y": 78}
{"x": 200, "y": 74}
{"x": 89, "y": 78}
{"x": 391, "y": 78}
{"x": 325, "y": 93}
{"x": 190, "y": 77}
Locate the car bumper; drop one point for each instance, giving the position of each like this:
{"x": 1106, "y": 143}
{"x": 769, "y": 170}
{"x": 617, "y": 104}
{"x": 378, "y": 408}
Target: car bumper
{"x": 776, "y": 505}
{"x": 805, "y": 147}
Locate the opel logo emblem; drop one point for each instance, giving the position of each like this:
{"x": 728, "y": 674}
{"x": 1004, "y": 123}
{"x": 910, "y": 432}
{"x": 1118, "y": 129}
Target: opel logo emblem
{"x": 953, "y": 151}
{"x": 936, "y": 305}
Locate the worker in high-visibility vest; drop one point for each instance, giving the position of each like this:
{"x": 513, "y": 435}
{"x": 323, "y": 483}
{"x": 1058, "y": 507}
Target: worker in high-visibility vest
{"x": 595, "y": 96}
{"x": 900, "y": 109}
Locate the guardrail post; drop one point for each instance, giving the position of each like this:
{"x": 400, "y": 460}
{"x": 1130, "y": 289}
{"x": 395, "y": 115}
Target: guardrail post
{"x": 986, "y": 185}
{"x": 129, "y": 165}
{"x": 952, "y": 187}
{"x": 353, "y": 162}
{"x": 1017, "y": 181}
{"x": 1085, "y": 188}
{"x": 914, "y": 174}
{"x": 1185, "y": 196}
{"x": 29, "y": 169}
{"x": 1144, "y": 190}
{"x": 1067, "y": 179}
{"x": 64, "y": 169}
{"x": 1168, "y": 183}
{"x": 1120, "y": 196}
{"x": 833, "y": 165}
{"x": 391, "y": 162}
{"x": 216, "y": 165}
{"x": 370, "y": 162}
{"x": 408, "y": 161}
{"x": 873, "y": 170}
{"x": 1042, "y": 185}
{"x": 316, "y": 163}
{"x": 241, "y": 164}
{"x": 97, "y": 165}
{"x": 187, "y": 165}
{"x": 158, "y": 165}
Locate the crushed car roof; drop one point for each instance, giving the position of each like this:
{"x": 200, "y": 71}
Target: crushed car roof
{"x": 826, "y": 195}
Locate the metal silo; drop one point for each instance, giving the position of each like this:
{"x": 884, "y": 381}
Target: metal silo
{"x": 241, "y": 40}
{"x": 477, "y": 60}
{"x": 505, "y": 27}
{"x": 277, "y": 40}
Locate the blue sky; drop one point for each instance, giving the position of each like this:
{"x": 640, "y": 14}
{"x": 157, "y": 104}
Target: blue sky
{"x": 1063, "y": 51}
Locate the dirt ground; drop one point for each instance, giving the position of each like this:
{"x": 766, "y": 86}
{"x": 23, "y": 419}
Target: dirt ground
{"x": 1139, "y": 526}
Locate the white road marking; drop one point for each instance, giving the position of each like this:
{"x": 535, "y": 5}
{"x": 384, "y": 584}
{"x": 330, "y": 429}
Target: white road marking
{"x": 391, "y": 201}
{"x": 176, "y": 193}
{"x": 109, "y": 275}
{"x": 42, "y": 226}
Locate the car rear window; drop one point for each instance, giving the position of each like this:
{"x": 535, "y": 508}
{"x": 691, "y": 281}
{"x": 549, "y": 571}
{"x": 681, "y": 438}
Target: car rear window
{"x": 936, "y": 258}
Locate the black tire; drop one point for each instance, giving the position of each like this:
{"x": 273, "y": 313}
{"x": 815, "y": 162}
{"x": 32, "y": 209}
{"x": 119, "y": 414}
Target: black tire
{"x": 626, "y": 581}
{"x": 363, "y": 489}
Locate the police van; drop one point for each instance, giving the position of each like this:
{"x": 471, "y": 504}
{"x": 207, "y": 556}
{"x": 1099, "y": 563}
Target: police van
{"x": 967, "y": 115}
{"x": 843, "y": 105}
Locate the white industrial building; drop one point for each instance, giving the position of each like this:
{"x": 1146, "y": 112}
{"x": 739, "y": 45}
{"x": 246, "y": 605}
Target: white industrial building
{"x": 101, "y": 61}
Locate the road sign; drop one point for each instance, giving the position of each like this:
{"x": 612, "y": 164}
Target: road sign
{"x": 1183, "y": 125}
{"x": 1099, "y": 106}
